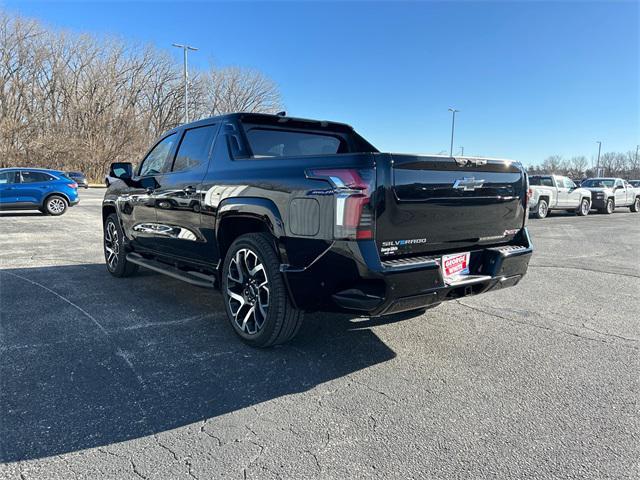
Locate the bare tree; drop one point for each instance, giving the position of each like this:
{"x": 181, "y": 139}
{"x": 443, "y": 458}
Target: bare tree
{"x": 237, "y": 89}
{"x": 80, "y": 102}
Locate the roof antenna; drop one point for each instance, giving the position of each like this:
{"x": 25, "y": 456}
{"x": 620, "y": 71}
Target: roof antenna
{"x": 282, "y": 114}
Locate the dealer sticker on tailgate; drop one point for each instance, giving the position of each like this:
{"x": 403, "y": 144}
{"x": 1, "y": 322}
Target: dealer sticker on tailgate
{"x": 454, "y": 266}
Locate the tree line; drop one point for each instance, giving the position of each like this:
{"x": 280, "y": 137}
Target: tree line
{"x": 79, "y": 102}
{"x": 615, "y": 164}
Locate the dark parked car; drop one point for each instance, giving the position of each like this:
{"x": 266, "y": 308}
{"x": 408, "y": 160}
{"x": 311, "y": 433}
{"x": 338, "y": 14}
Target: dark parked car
{"x": 49, "y": 191}
{"x": 79, "y": 178}
{"x": 286, "y": 215}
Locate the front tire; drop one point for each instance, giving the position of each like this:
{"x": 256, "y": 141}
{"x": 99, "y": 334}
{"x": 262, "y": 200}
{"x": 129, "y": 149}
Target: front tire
{"x": 55, "y": 205}
{"x": 608, "y": 207}
{"x": 255, "y": 297}
{"x": 583, "y": 209}
{"x": 635, "y": 207}
{"x": 114, "y": 252}
{"x": 543, "y": 209}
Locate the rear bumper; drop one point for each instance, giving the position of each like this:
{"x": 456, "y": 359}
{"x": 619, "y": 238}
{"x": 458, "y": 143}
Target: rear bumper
{"x": 374, "y": 288}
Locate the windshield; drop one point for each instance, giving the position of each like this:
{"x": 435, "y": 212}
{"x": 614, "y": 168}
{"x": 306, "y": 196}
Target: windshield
{"x": 599, "y": 183}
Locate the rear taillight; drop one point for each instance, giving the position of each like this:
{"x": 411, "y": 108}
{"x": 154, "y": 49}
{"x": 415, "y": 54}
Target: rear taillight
{"x": 352, "y": 192}
{"x": 72, "y": 185}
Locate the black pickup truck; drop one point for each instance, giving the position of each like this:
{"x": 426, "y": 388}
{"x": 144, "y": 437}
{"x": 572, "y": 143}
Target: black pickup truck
{"x": 287, "y": 215}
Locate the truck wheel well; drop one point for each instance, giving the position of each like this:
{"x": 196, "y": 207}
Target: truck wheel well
{"x": 106, "y": 211}
{"x": 232, "y": 227}
{"x": 545, "y": 198}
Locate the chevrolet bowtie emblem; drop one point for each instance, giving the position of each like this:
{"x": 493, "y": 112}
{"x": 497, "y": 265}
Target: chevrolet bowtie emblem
{"x": 468, "y": 184}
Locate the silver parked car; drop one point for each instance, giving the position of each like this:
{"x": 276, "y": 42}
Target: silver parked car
{"x": 555, "y": 192}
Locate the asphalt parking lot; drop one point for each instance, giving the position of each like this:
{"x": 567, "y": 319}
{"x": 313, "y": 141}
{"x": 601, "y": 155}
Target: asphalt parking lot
{"x": 142, "y": 377}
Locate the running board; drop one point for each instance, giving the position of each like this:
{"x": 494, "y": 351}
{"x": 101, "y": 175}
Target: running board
{"x": 194, "y": 278}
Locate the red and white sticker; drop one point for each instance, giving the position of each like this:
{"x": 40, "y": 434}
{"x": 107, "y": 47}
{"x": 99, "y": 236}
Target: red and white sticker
{"x": 455, "y": 265}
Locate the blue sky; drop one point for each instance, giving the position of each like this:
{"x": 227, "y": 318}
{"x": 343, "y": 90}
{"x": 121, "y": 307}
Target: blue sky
{"x": 530, "y": 79}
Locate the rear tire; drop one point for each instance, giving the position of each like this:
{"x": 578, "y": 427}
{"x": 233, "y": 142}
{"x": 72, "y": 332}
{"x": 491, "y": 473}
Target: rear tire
{"x": 635, "y": 207}
{"x": 55, "y": 205}
{"x": 543, "y": 209}
{"x": 115, "y": 254}
{"x": 255, "y": 296}
{"x": 583, "y": 209}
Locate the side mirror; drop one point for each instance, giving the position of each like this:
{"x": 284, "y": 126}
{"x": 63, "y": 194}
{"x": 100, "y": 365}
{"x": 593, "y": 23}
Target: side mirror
{"x": 121, "y": 170}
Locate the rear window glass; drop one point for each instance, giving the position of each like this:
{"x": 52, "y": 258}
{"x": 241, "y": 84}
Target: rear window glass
{"x": 541, "y": 181}
{"x": 285, "y": 143}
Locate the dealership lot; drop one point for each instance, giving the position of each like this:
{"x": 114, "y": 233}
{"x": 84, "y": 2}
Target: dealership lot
{"x": 142, "y": 377}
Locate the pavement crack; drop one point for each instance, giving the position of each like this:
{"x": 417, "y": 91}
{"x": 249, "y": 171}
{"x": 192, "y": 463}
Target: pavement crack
{"x": 186, "y": 461}
{"x": 253, "y": 460}
{"x": 162, "y": 445}
{"x": 555, "y": 330}
{"x": 135, "y": 470}
{"x": 584, "y": 269}
{"x": 118, "y": 351}
{"x": 374, "y": 426}
{"x": 203, "y": 430}
{"x": 379, "y": 392}
{"x": 315, "y": 458}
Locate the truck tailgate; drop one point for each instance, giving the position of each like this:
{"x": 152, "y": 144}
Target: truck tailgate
{"x": 440, "y": 204}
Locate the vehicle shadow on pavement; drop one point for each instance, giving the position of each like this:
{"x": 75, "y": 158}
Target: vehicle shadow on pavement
{"x": 17, "y": 213}
{"x": 89, "y": 360}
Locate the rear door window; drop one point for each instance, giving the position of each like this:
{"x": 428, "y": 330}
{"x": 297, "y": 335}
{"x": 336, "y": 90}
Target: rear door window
{"x": 158, "y": 160}
{"x": 195, "y": 147}
{"x": 8, "y": 177}
{"x": 35, "y": 177}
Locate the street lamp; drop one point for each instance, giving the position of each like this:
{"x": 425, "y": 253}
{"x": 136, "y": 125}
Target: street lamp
{"x": 185, "y": 49}
{"x": 453, "y": 126}
{"x": 462, "y": 151}
{"x": 598, "y": 161}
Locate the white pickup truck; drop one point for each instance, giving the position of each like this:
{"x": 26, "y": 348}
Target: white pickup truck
{"x": 609, "y": 193}
{"x": 555, "y": 192}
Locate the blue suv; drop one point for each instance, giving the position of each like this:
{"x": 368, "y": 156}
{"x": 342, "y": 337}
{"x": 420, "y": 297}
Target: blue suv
{"x": 49, "y": 191}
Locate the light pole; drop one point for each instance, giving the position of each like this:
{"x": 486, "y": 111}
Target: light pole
{"x": 453, "y": 126}
{"x": 598, "y": 161}
{"x": 462, "y": 151}
{"x": 185, "y": 49}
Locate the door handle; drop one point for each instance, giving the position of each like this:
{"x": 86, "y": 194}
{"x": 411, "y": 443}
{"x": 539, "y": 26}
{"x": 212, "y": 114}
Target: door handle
{"x": 190, "y": 190}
